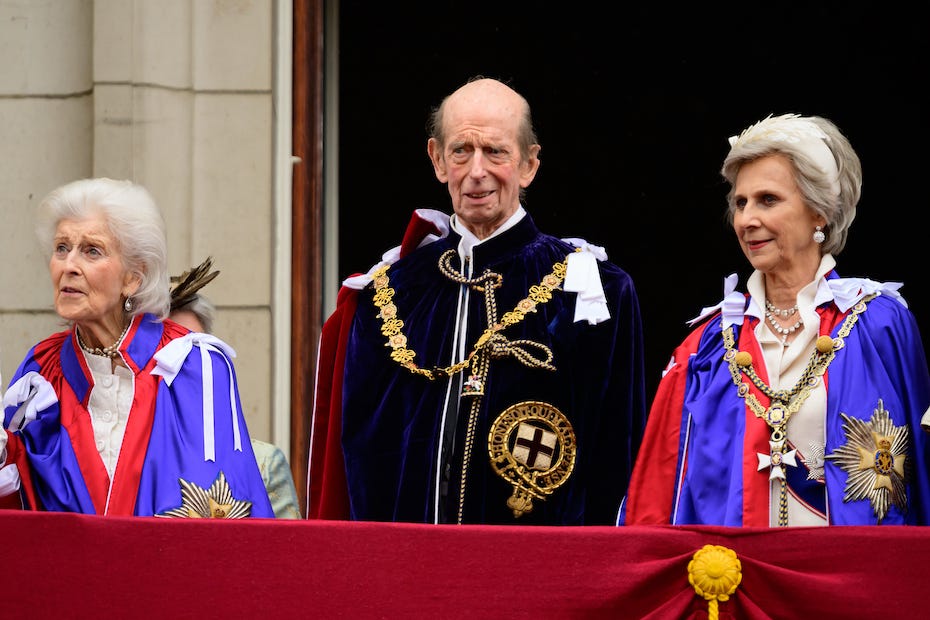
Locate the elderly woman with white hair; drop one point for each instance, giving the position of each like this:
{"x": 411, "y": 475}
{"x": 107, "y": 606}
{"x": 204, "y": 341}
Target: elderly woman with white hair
{"x": 798, "y": 403}
{"x": 123, "y": 413}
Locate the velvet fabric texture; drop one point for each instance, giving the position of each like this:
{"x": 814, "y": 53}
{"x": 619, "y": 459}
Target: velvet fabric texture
{"x": 378, "y": 571}
{"x": 391, "y": 420}
{"x": 698, "y": 462}
{"x": 164, "y": 441}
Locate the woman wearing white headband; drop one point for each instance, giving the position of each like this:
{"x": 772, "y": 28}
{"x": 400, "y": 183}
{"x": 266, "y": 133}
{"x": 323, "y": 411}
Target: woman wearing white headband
{"x": 799, "y": 402}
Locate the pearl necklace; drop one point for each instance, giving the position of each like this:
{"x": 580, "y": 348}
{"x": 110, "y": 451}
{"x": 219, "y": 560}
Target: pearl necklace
{"x": 778, "y": 311}
{"x": 784, "y": 403}
{"x": 110, "y": 351}
{"x": 771, "y": 311}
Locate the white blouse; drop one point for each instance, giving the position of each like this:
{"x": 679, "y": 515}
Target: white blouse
{"x": 109, "y": 404}
{"x": 784, "y": 365}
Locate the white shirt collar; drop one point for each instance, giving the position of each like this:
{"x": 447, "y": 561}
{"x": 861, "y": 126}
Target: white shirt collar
{"x": 469, "y": 240}
{"x": 844, "y": 292}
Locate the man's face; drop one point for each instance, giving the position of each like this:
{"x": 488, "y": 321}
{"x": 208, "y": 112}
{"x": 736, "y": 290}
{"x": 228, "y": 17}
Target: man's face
{"x": 481, "y": 161}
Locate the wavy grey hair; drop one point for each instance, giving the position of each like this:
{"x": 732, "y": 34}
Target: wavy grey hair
{"x": 814, "y": 184}
{"x": 133, "y": 219}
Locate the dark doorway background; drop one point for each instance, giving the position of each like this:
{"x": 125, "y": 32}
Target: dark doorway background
{"x": 633, "y": 107}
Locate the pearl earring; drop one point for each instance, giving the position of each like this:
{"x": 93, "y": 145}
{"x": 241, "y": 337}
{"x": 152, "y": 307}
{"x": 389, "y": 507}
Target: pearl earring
{"x": 127, "y": 305}
{"x": 818, "y": 235}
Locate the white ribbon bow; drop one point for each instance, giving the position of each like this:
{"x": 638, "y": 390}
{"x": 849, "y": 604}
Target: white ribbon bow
{"x": 847, "y": 292}
{"x": 733, "y": 305}
{"x": 583, "y": 278}
{"x": 31, "y": 393}
{"x": 168, "y": 364}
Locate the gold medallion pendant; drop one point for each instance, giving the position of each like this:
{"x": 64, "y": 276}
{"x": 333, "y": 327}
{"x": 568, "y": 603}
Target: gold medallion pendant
{"x": 532, "y": 446}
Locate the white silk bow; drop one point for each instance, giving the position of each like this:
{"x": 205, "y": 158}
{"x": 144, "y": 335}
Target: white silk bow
{"x": 845, "y": 292}
{"x": 848, "y": 291}
{"x": 732, "y": 307}
{"x": 31, "y": 393}
{"x": 583, "y": 278}
{"x": 168, "y": 364}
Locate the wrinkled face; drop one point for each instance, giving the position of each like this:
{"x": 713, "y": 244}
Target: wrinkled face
{"x": 773, "y": 224}
{"x": 87, "y": 272}
{"x": 481, "y": 161}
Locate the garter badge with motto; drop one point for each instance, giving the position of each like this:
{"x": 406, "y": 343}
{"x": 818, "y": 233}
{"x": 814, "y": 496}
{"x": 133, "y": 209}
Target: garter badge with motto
{"x": 532, "y": 446}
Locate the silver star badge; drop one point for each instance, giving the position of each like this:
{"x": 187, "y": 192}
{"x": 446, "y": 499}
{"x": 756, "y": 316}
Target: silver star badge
{"x": 814, "y": 461}
{"x": 874, "y": 458}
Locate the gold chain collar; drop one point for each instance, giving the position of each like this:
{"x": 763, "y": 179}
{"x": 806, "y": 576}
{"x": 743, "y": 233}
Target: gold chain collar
{"x": 776, "y": 415}
{"x": 391, "y": 325}
{"x": 784, "y": 403}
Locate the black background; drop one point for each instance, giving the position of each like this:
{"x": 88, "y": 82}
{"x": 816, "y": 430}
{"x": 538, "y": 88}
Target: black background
{"x": 633, "y": 107}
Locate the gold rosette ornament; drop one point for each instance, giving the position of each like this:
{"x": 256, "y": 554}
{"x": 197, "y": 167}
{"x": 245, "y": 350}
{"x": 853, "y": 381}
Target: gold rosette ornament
{"x": 714, "y": 572}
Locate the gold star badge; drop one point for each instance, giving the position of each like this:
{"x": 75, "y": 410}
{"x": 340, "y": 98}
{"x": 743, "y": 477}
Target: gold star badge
{"x": 217, "y": 502}
{"x": 874, "y": 458}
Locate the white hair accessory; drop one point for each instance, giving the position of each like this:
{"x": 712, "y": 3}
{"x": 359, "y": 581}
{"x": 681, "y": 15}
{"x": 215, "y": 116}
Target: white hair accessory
{"x": 803, "y": 133}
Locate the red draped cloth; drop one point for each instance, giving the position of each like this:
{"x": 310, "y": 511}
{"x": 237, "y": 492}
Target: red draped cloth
{"x": 263, "y": 568}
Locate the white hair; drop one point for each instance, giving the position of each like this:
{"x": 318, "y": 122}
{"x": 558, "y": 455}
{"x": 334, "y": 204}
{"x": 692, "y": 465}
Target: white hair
{"x": 133, "y": 219}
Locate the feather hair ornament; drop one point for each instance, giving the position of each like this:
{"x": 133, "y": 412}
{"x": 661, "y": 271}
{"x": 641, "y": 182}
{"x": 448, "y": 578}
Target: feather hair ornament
{"x": 190, "y": 282}
{"x": 803, "y": 133}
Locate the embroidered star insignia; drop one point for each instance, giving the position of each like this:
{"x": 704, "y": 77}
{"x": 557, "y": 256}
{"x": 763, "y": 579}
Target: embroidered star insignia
{"x": 814, "y": 461}
{"x": 776, "y": 459}
{"x": 874, "y": 458}
{"x": 217, "y": 502}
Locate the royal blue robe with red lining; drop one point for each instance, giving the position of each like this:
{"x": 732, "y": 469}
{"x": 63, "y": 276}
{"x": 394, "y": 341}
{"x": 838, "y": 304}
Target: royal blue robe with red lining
{"x": 698, "y": 463}
{"x": 56, "y": 453}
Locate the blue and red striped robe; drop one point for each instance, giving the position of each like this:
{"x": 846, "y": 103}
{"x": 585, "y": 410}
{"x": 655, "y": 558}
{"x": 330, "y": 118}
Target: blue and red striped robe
{"x": 166, "y": 439}
{"x": 698, "y": 462}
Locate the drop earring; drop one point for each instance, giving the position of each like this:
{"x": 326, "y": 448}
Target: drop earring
{"x": 818, "y": 235}
{"x": 127, "y": 305}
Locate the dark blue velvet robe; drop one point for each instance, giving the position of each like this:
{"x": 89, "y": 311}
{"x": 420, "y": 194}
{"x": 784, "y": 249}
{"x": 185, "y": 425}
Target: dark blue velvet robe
{"x": 391, "y": 422}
